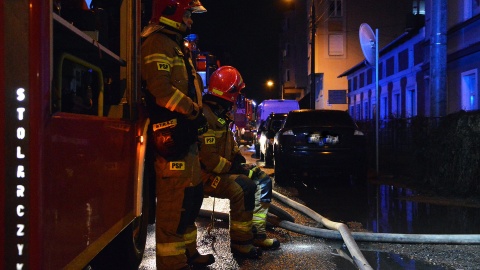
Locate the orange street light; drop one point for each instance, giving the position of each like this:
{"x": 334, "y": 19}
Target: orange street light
{"x": 270, "y": 83}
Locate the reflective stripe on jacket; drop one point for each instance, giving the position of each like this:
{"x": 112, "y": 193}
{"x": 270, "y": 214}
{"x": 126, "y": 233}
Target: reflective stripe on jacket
{"x": 165, "y": 73}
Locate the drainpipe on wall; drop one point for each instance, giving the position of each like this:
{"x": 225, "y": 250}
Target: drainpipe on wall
{"x": 438, "y": 59}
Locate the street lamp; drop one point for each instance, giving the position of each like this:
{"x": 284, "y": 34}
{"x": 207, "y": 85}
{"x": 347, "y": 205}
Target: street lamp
{"x": 269, "y": 83}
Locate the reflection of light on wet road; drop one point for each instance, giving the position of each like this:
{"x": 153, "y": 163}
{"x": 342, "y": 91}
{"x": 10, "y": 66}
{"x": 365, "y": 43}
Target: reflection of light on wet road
{"x": 401, "y": 210}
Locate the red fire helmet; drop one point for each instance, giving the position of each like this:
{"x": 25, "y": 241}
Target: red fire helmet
{"x": 226, "y": 83}
{"x": 170, "y": 12}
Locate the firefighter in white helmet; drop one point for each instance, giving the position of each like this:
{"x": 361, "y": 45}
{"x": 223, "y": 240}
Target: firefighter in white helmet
{"x": 173, "y": 97}
{"x": 225, "y": 173}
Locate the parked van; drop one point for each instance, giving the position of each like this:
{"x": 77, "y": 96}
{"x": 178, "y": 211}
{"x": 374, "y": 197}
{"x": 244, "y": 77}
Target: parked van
{"x": 266, "y": 108}
{"x": 269, "y": 106}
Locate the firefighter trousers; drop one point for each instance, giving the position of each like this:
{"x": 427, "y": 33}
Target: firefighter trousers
{"x": 179, "y": 193}
{"x": 263, "y": 198}
{"x": 240, "y": 190}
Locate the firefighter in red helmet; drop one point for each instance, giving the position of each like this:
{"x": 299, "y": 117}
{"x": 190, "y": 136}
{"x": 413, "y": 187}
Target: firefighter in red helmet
{"x": 173, "y": 98}
{"x": 224, "y": 172}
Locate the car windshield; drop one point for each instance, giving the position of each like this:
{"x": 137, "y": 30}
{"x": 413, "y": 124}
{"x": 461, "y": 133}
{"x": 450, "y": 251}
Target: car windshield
{"x": 318, "y": 118}
{"x": 277, "y": 124}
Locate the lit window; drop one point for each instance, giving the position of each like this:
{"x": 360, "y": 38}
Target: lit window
{"x": 469, "y": 90}
{"x": 418, "y": 7}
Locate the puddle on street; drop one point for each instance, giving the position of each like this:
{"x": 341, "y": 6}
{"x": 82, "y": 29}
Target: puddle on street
{"x": 388, "y": 209}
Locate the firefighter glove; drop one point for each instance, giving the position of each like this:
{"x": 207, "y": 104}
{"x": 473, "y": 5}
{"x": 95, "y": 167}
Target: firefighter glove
{"x": 244, "y": 169}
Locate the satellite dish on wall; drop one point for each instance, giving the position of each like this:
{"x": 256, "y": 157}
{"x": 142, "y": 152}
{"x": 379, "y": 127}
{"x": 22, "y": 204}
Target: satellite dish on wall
{"x": 368, "y": 42}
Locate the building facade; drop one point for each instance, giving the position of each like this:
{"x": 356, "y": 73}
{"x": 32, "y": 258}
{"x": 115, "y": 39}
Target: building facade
{"x": 406, "y": 73}
{"x": 336, "y": 45}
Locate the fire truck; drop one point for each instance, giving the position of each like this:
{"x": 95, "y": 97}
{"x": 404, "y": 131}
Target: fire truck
{"x": 75, "y": 167}
{"x": 243, "y": 121}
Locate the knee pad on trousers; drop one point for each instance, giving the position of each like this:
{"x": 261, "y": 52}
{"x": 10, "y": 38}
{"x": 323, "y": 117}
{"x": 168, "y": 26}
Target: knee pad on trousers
{"x": 249, "y": 187}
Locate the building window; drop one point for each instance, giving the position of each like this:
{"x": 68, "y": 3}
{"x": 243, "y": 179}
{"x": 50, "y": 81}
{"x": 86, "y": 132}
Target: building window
{"x": 469, "y": 90}
{"x": 337, "y": 97}
{"x": 390, "y": 66}
{"x": 369, "y": 76}
{"x": 287, "y": 75}
{"x": 358, "y": 113}
{"x": 384, "y": 108}
{"x": 398, "y": 106}
{"x": 355, "y": 83}
{"x": 335, "y": 8}
{"x": 335, "y": 45}
{"x": 362, "y": 80}
{"x": 418, "y": 7}
{"x": 417, "y": 53}
{"x": 403, "y": 60}
{"x": 411, "y": 103}
{"x": 470, "y": 8}
{"x": 366, "y": 110}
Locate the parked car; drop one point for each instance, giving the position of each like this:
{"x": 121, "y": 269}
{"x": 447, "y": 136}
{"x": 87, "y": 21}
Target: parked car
{"x": 272, "y": 126}
{"x": 256, "y": 138}
{"x": 319, "y": 143}
{"x": 264, "y": 109}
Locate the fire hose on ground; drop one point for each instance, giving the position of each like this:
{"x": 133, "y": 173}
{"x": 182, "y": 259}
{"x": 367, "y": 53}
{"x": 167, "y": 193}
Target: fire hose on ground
{"x": 340, "y": 231}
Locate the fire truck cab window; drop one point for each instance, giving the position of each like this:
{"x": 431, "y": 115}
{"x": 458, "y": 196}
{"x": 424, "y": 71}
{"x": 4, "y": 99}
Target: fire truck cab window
{"x": 79, "y": 89}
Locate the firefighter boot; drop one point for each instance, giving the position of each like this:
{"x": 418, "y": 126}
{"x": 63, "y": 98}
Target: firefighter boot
{"x": 261, "y": 241}
{"x": 246, "y": 251}
{"x": 259, "y": 227}
{"x": 195, "y": 259}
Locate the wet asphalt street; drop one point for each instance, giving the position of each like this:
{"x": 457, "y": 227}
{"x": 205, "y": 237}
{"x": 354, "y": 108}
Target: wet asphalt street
{"x": 300, "y": 251}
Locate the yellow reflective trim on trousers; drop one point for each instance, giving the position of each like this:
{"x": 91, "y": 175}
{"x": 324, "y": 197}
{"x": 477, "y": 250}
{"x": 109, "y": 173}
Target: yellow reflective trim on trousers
{"x": 190, "y": 237}
{"x": 170, "y": 249}
{"x": 242, "y": 226}
{"x": 259, "y": 216}
{"x": 174, "y": 100}
{"x": 221, "y": 164}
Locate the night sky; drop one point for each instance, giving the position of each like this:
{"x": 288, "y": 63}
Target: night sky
{"x": 243, "y": 34}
